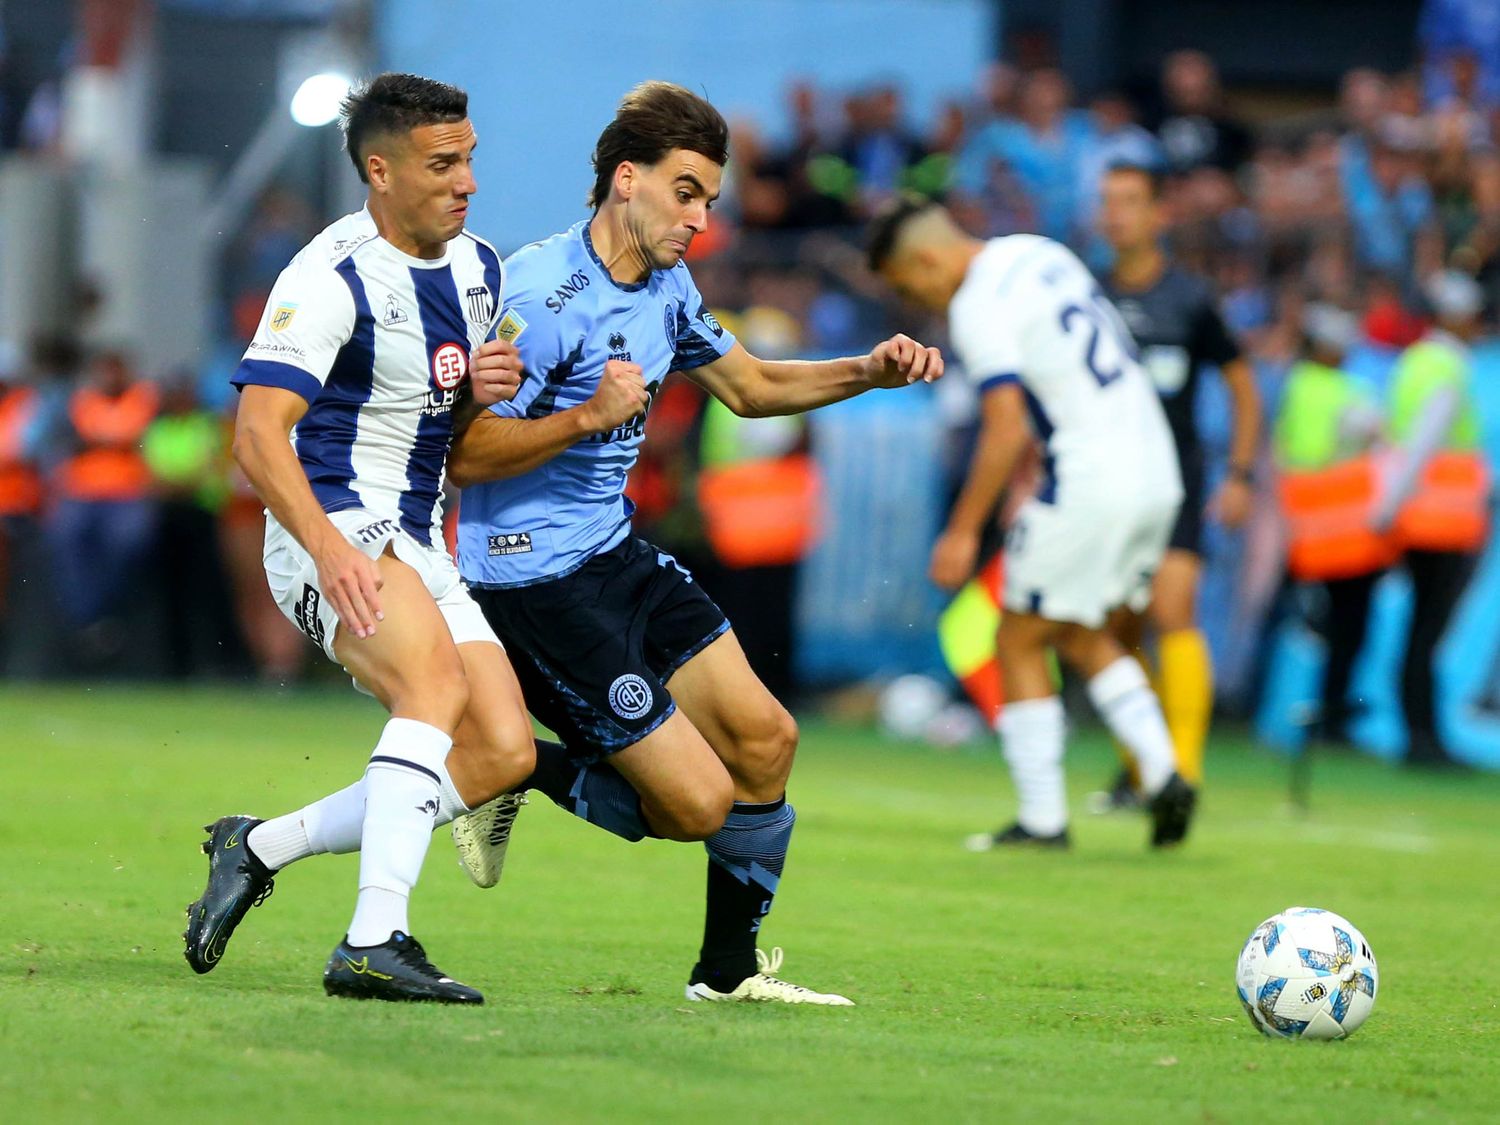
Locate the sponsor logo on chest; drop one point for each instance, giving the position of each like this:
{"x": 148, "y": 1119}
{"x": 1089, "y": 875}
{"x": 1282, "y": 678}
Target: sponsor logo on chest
{"x": 450, "y": 366}
{"x": 575, "y": 284}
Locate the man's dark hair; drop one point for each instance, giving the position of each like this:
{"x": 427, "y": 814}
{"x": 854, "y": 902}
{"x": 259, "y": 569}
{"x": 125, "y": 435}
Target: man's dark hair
{"x": 390, "y": 104}
{"x": 1155, "y": 178}
{"x": 885, "y": 227}
{"x": 653, "y": 119}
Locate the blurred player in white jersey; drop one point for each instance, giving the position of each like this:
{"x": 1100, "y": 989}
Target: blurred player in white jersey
{"x": 363, "y": 357}
{"x": 1053, "y": 363}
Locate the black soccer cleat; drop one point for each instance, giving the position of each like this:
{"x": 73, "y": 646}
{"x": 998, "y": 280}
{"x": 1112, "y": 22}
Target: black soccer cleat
{"x": 397, "y": 969}
{"x": 237, "y": 880}
{"x": 1171, "y": 812}
{"x": 1015, "y": 837}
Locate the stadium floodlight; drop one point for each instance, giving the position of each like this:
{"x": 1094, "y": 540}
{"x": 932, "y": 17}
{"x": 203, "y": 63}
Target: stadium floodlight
{"x": 317, "y": 100}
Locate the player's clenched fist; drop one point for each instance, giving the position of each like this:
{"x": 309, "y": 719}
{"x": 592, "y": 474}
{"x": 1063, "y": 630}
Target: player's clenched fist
{"x": 351, "y": 582}
{"x": 495, "y": 372}
{"x": 901, "y": 360}
{"x": 620, "y": 396}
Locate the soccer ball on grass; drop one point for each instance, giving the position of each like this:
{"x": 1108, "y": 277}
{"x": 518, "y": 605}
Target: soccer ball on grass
{"x": 1307, "y": 974}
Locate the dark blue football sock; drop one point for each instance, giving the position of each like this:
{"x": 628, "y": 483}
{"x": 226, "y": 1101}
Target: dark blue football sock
{"x": 596, "y": 793}
{"x": 745, "y": 859}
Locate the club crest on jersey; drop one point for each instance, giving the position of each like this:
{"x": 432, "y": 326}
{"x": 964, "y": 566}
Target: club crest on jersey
{"x": 479, "y": 304}
{"x": 669, "y": 322}
{"x": 511, "y": 325}
{"x": 281, "y": 316}
{"x": 450, "y": 363}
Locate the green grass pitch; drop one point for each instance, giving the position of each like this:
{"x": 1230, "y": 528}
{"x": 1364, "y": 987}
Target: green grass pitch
{"x": 1091, "y": 986}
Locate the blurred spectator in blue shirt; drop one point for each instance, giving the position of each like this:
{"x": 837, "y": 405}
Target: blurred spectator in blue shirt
{"x": 1042, "y": 150}
{"x": 1389, "y": 205}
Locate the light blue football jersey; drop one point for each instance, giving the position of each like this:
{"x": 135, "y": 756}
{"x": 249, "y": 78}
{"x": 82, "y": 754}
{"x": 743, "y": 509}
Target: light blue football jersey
{"x": 568, "y": 317}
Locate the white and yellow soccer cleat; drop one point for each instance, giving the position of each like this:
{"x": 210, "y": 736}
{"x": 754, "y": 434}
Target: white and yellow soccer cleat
{"x": 765, "y": 987}
{"x": 483, "y": 836}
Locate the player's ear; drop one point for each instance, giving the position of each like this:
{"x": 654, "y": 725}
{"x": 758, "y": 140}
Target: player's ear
{"x": 625, "y": 179}
{"x": 377, "y": 171}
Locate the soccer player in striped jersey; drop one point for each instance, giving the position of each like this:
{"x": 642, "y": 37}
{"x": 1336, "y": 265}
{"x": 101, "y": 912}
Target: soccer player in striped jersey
{"x": 363, "y": 358}
{"x": 1053, "y": 363}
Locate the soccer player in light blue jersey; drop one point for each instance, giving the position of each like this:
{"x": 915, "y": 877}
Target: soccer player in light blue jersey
{"x": 666, "y": 730}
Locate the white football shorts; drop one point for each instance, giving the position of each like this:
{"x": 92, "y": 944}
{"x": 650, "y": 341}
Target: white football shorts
{"x": 293, "y": 577}
{"x": 1080, "y": 564}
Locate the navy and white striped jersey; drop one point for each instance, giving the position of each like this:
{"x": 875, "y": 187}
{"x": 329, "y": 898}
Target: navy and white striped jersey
{"x": 378, "y": 343}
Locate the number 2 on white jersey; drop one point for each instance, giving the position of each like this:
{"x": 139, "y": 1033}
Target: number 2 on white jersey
{"x": 1100, "y": 320}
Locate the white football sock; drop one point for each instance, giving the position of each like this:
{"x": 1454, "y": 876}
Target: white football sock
{"x": 402, "y": 800}
{"x": 1031, "y": 738}
{"x": 333, "y": 825}
{"x": 279, "y": 841}
{"x": 1132, "y": 712}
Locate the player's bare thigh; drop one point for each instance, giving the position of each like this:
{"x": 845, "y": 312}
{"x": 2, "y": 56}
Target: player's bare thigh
{"x": 410, "y": 663}
{"x": 493, "y": 750}
{"x": 685, "y": 790}
{"x": 1174, "y": 592}
{"x": 751, "y": 732}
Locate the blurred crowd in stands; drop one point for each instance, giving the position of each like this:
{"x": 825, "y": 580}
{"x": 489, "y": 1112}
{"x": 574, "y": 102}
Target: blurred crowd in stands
{"x": 1351, "y": 204}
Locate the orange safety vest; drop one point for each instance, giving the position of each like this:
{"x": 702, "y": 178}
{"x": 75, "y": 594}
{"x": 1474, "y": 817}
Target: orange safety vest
{"x": 1449, "y": 510}
{"x": 110, "y": 427}
{"x": 1329, "y": 512}
{"x": 762, "y": 512}
{"x": 20, "y": 485}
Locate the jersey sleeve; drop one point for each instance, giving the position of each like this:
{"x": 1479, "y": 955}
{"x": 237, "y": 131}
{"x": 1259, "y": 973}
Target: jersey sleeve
{"x": 988, "y": 344}
{"x": 309, "y": 317}
{"x": 699, "y": 338}
{"x": 537, "y": 333}
{"x": 1215, "y": 343}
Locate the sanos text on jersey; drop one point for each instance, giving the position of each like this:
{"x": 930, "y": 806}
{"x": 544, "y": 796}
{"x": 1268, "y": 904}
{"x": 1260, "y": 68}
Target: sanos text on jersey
{"x": 569, "y": 289}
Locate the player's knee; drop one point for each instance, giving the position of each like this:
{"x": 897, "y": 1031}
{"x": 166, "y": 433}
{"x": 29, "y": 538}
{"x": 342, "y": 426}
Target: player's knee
{"x": 766, "y": 756}
{"x": 704, "y": 814}
{"x": 435, "y": 691}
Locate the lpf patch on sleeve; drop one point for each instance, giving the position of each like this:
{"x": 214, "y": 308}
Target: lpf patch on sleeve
{"x": 511, "y": 325}
{"x": 281, "y": 316}
{"x": 514, "y": 543}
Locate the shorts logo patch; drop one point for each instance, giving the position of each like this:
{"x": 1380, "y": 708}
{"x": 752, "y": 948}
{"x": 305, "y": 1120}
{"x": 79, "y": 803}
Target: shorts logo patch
{"x": 514, "y": 543}
{"x": 630, "y": 696}
{"x": 307, "y": 613}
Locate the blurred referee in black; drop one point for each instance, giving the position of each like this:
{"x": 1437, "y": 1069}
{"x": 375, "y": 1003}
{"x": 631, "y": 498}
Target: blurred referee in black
{"x": 1175, "y": 320}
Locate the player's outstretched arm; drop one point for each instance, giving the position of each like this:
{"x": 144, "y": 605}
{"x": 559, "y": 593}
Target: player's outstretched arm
{"x": 756, "y": 388}
{"x": 350, "y": 581}
{"x": 1004, "y": 434}
{"x": 494, "y": 446}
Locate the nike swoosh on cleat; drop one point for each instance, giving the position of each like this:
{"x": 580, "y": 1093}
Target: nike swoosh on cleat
{"x": 362, "y": 968}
